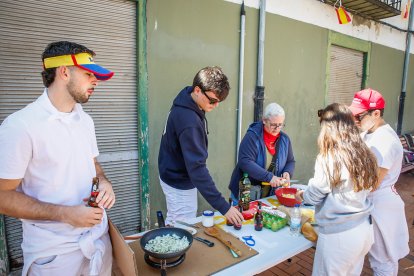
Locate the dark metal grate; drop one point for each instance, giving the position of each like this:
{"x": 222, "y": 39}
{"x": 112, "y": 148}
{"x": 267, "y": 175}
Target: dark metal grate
{"x": 371, "y": 9}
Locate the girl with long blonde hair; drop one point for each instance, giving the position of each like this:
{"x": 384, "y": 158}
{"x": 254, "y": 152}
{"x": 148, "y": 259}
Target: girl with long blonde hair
{"x": 345, "y": 173}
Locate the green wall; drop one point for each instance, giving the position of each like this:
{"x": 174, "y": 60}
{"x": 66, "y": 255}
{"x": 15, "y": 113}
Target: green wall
{"x": 386, "y": 77}
{"x": 408, "y": 122}
{"x": 184, "y": 36}
{"x": 294, "y": 77}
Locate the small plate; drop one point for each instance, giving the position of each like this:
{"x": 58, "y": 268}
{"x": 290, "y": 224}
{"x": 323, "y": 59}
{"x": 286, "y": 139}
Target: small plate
{"x": 192, "y": 230}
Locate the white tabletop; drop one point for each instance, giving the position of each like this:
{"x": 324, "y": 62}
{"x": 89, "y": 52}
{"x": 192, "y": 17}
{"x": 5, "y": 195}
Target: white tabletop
{"x": 273, "y": 247}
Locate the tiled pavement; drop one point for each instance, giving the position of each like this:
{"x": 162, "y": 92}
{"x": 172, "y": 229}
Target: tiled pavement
{"x": 301, "y": 264}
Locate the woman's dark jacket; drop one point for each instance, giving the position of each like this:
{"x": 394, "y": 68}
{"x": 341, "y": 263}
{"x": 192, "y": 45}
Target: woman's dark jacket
{"x": 252, "y": 158}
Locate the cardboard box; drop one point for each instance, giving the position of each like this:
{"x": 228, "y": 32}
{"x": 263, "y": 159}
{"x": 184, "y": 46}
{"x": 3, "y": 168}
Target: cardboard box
{"x": 124, "y": 263}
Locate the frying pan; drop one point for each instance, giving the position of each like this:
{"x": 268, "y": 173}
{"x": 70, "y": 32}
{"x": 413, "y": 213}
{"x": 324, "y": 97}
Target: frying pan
{"x": 152, "y": 234}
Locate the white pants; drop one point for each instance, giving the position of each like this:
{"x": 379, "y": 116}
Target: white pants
{"x": 381, "y": 267}
{"x": 390, "y": 232}
{"x": 74, "y": 263}
{"x": 380, "y": 261}
{"x": 181, "y": 204}
{"x": 343, "y": 253}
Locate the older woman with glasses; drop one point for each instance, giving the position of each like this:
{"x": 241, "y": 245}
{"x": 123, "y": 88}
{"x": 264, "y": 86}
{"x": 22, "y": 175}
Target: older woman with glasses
{"x": 265, "y": 154}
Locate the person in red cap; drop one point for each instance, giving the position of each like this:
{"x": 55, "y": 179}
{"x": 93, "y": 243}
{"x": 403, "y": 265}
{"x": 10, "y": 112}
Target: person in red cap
{"x": 48, "y": 160}
{"x": 390, "y": 225}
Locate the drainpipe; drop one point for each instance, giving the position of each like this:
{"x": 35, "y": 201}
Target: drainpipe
{"x": 405, "y": 73}
{"x": 259, "y": 92}
{"x": 143, "y": 113}
{"x": 241, "y": 73}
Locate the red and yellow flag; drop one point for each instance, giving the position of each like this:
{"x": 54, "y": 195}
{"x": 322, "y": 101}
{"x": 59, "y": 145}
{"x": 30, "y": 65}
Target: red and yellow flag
{"x": 343, "y": 16}
{"x": 406, "y": 11}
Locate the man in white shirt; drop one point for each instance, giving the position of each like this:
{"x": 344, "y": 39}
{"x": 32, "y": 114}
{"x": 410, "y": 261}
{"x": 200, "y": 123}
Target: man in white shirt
{"x": 48, "y": 156}
{"x": 390, "y": 225}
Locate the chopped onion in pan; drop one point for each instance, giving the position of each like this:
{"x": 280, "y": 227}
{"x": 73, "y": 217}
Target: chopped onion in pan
{"x": 167, "y": 244}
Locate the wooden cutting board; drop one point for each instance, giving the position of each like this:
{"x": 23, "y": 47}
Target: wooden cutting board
{"x": 200, "y": 259}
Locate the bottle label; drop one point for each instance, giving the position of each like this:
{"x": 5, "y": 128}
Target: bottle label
{"x": 295, "y": 222}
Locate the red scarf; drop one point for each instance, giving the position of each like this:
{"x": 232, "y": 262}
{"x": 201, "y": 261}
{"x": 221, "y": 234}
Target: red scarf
{"x": 270, "y": 141}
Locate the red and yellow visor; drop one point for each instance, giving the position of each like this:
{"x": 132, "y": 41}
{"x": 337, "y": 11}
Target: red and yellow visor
{"x": 82, "y": 60}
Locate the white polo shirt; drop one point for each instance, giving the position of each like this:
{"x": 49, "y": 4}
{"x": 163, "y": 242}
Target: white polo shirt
{"x": 52, "y": 151}
{"x": 387, "y": 148}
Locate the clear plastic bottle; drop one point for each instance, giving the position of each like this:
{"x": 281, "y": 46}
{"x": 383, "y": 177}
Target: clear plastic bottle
{"x": 295, "y": 217}
{"x": 244, "y": 188}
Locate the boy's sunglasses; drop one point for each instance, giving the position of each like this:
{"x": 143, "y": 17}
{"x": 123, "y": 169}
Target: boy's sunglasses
{"x": 211, "y": 100}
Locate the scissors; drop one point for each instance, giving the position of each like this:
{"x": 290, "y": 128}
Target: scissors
{"x": 249, "y": 240}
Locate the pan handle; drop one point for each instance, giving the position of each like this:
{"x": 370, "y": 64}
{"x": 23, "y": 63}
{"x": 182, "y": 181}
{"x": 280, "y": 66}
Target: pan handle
{"x": 163, "y": 266}
{"x": 160, "y": 219}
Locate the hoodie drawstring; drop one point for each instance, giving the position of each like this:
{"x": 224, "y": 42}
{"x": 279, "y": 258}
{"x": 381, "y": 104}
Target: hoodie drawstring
{"x": 206, "y": 125}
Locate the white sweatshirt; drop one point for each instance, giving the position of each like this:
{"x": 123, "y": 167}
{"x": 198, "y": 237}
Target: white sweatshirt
{"x": 338, "y": 209}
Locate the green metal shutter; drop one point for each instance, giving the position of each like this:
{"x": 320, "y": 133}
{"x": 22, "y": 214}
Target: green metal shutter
{"x": 109, "y": 28}
{"x": 346, "y": 74}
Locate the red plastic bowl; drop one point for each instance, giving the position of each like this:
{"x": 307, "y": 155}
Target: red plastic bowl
{"x": 289, "y": 202}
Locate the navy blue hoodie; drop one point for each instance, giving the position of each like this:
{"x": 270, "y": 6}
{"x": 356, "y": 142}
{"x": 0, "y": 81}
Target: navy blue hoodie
{"x": 183, "y": 151}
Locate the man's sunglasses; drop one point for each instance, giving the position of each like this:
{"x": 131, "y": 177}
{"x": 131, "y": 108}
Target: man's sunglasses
{"x": 359, "y": 117}
{"x": 211, "y": 100}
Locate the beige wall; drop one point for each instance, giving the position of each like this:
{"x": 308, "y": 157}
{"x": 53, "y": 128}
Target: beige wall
{"x": 184, "y": 36}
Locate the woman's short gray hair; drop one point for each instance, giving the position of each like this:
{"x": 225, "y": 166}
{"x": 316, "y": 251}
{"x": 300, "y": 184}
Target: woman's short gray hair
{"x": 273, "y": 109}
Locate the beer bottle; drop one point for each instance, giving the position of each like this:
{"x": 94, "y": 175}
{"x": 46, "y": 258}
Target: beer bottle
{"x": 94, "y": 192}
{"x": 258, "y": 218}
{"x": 238, "y": 226}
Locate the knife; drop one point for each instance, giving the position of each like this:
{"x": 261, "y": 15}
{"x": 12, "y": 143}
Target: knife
{"x": 207, "y": 242}
{"x": 186, "y": 224}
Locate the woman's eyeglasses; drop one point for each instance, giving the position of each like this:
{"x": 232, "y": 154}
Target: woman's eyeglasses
{"x": 276, "y": 126}
{"x": 211, "y": 100}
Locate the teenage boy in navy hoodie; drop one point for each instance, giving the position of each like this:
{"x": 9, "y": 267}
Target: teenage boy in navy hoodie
{"x": 183, "y": 150}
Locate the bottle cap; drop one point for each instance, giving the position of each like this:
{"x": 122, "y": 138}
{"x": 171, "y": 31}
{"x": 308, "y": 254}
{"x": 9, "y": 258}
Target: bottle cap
{"x": 208, "y": 213}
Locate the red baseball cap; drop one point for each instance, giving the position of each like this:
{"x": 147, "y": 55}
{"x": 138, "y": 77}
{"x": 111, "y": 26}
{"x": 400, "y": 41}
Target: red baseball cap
{"x": 367, "y": 99}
